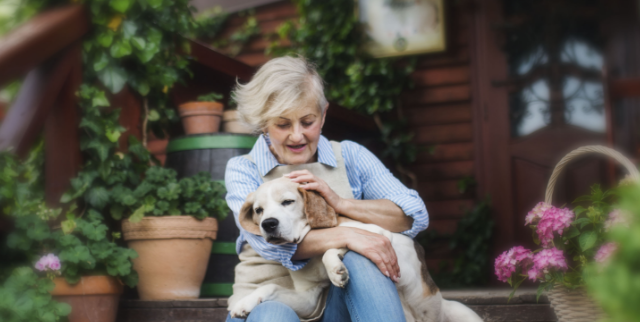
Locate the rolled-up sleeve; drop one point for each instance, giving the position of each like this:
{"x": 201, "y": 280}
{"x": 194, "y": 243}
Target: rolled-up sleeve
{"x": 241, "y": 179}
{"x": 377, "y": 182}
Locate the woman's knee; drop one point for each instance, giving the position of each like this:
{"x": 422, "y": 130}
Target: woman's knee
{"x": 272, "y": 311}
{"x": 356, "y": 262}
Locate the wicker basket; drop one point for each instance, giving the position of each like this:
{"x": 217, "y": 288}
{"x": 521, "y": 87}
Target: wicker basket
{"x": 575, "y": 305}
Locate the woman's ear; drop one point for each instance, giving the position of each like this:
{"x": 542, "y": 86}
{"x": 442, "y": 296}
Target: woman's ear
{"x": 246, "y": 215}
{"x": 318, "y": 212}
{"x": 324, "y": 115}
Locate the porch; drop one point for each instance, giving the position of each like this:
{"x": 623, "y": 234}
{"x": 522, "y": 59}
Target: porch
{"x": 490, "y": 304}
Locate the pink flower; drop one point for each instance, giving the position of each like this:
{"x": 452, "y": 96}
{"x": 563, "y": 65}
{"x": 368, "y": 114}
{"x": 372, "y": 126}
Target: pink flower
{"x": 507, "y": 262}
{"x": 545, "y": 260}
{"x": 47, "y": 262}
{"x": 553, "y": 220}
{"x": 536, "y": 213}
{"x": 605, "y": 252}
{"x": 616, "y": 217}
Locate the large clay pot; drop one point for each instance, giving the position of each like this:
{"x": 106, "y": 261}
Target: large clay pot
{"x": 173, "y": 252}
{"x": 93, "y": 299}
{"x": 231, "y": 123}
{"x": 200, "y": 117}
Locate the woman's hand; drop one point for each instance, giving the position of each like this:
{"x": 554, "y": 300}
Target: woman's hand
{"x": 375, "y": 247}
{"x": 308, "y": 181}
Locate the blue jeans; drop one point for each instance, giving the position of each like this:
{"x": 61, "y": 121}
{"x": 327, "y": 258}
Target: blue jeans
{"x": 369, "y": 296}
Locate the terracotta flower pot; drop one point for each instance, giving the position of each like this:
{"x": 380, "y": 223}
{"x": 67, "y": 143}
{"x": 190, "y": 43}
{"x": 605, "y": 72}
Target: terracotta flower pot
{"x": 173, "y": 254}
{"x": 231, "y": 123}
{"x": 93, "y": 299}
{"x": 200, "y": 117}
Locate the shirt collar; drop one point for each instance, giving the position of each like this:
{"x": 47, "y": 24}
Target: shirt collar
{"x": 266, "y": 161}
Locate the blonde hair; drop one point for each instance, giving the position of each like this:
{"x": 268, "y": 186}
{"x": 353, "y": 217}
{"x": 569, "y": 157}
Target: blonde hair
{"x": 280, "y": 86}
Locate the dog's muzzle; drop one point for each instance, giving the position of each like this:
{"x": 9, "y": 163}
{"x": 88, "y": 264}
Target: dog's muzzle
{"x": 270, "y": 225}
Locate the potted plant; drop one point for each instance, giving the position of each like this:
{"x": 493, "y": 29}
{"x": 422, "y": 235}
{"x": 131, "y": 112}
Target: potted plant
{"x": 76, "y": 252}
{"x": 231, "y": 122}
{"x": 202, "y": 116}
{"x": 171, "y": 224}
{"x": 570, "y": 240}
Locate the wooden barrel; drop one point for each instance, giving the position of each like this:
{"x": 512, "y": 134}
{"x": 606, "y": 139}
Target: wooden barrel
{"x": 191, "y": 154}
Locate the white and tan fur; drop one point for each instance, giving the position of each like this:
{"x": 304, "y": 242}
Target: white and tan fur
{"x": 298, "y": 211}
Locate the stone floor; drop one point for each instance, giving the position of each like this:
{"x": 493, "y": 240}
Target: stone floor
{"x": 490, "y": 304}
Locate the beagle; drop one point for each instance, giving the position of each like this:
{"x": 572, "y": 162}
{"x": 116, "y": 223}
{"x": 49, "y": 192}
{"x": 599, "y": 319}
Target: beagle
{"x": 282, "y": 212}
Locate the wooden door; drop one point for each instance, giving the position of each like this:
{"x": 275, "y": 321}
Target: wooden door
{"x": 538, "y": 94}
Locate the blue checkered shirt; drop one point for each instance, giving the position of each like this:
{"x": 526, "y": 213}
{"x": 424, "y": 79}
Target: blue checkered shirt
{"x": 368, "y": 177}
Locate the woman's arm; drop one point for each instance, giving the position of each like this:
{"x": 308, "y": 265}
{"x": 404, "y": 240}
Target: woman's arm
{"x": 373, "y": 246}
{"x": 382, "y": 212}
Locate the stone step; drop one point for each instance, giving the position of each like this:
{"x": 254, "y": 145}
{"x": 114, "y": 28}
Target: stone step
{"x": 490, "y": 304}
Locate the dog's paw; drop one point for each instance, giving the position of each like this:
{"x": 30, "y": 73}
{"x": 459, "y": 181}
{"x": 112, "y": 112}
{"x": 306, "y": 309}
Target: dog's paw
{"x": 242, "y": 309}
{"x": 339, "y": 275}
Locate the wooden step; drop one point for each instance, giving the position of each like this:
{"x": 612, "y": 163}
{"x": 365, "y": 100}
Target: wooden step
{"x": 490, "y": 304}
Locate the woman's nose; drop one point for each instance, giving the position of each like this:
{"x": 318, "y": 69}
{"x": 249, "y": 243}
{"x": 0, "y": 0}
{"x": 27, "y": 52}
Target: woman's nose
{"x": 296, "y": 133}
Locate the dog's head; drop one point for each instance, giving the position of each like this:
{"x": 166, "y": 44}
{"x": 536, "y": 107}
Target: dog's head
{"x": 282, "y": 212}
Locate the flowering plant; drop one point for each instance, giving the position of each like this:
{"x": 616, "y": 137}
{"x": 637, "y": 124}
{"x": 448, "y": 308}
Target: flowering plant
{"x": 569, "y": 240}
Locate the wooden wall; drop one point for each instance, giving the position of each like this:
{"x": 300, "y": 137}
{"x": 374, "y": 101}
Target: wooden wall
{"x": 439, "y": 110}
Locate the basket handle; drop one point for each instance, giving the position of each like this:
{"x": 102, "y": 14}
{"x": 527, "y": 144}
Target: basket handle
{"x": 633, "y": 171}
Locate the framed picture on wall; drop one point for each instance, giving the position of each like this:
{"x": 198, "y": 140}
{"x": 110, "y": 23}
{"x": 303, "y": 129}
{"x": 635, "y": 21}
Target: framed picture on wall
{"x": 403, "y": 27}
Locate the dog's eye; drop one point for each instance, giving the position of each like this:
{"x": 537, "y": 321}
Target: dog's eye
{"x": 258, "y": 211}
{"x": 287, "y": 202}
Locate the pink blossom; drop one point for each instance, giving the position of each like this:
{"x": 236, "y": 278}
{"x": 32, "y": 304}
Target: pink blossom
{"x": 47, "y": 262}
{"x": 616, "y": 217}
{"x": 545, "y": 260}
{"x": 605, "y": 252}
{"x": 553, "y": 220}
{"x": 536, "y": 213}
{"x": 506, "y": 263}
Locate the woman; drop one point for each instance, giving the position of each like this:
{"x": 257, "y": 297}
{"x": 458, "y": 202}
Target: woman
{"x": 285, "y": 101}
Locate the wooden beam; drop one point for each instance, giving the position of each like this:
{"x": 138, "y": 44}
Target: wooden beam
{"x": 217, "y": 61}
{"x": 62, "y": 141}
{"x": 41, "y": 87}
{"x": 41, "y": 37}
{"x": 625, "y": 87}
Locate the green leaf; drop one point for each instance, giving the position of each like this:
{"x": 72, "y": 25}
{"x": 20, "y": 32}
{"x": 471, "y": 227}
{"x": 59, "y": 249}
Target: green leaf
{"x": 587, "y": 240}
{"x": 114, "y": 78}
{"x": 138, "y": 42}
{"x": 120, "y": 5}
{"x": 113, "y": 135}
{"x": 154, "y": 115}
{"x": 101, "y": 62}
{"x": 98, "y": 197}
{"x": 120, "y": 49}
{"x": 582, "y": 222}
{"x": 143, "y": 88}
{"x": 105, "y": 38}
{"x": 99, "y": 100}
{"x": 68, "y": 226}
{"x": 571, "y": 232}
{"x": 155, "y": 4}
{"x": 137, "y": 215}
{"x": 129, "y": 29}
{"x": 150, "y": 50}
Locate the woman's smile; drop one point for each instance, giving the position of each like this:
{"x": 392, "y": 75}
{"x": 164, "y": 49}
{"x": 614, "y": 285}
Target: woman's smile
{"x": 297, "y": 148}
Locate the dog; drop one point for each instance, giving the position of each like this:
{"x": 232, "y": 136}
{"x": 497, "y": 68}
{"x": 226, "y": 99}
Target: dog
{"x": 282, "y": 212}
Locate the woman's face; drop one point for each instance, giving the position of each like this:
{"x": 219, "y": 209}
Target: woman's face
{"x": 294, "y": 137}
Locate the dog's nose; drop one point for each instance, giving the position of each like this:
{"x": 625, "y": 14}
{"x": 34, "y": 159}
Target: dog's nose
{"x": 270, "y": 225}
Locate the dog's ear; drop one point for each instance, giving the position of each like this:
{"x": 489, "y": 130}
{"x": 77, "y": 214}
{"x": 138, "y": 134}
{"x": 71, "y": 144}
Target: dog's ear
{"x": 319, "y": 213}
{"x": 246, "y": 215}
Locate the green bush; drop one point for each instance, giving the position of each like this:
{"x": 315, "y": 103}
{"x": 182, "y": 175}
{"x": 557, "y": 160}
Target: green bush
{"x": 615, "y": 284}
{"x": 25, "y": 296}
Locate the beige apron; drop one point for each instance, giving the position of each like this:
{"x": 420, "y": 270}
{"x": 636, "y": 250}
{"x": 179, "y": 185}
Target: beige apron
{"x": 254, "y": 271}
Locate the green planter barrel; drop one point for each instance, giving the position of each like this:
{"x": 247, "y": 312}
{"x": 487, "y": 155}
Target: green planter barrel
{"x": 210, "y": 152}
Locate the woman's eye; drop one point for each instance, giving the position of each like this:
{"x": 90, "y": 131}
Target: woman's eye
{"x": 287, "y": 202}
{"x": 306, "y": 124}
{"x": 258, "y": 211}
{"x": 282, "y": 126}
